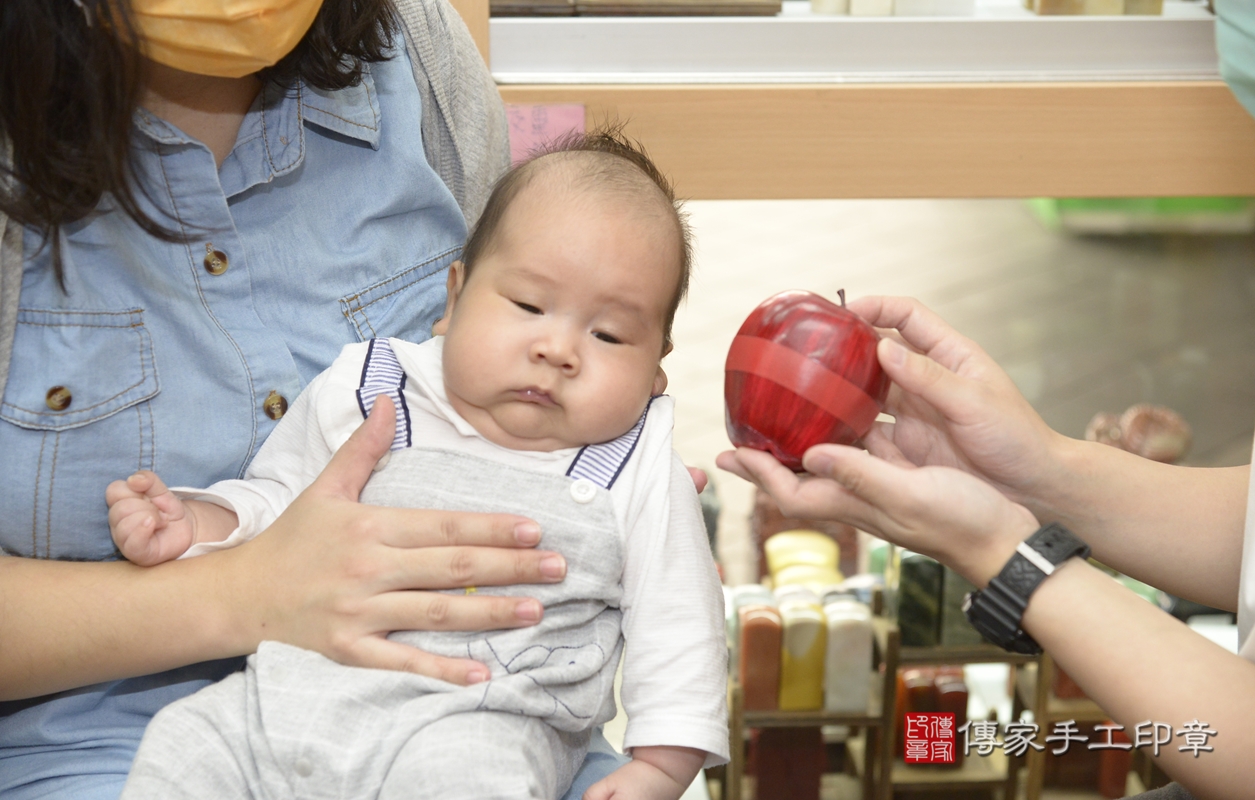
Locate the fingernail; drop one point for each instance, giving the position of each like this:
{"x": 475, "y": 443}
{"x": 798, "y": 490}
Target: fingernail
{"x": 527, "y": 610}
{"x": 553, "y": 567}
{"x": 477, "y": 676}
{"x": 895, "y": 353}
{"x": 527, "y": 533}
{"x": 819, "y": 463}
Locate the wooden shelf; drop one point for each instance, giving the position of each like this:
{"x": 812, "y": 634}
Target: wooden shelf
{"x": 1130, "y": 139}
{"x": 977, "y": 772}
{"x": 877, "y": 723}
{"x": 966, "y": 654}
{"x": 873, "y": 716}
{"x": 1056, "y": 709}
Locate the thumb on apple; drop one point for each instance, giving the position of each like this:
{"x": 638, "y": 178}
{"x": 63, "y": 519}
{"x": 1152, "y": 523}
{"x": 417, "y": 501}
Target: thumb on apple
{"x": 957, "y": 398}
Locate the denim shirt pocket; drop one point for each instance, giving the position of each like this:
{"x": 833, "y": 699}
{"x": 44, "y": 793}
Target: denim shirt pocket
{"x": 71, "y": 368}
{"x": 404, "y": 305}
{"x": 63, "y": 436}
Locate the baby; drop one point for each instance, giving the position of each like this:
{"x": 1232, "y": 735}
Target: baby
{"x": 539, "y": 395}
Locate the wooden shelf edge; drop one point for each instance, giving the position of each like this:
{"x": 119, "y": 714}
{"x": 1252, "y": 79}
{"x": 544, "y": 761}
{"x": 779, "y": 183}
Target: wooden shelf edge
{"x": 1100, "y": 139}
{"x": 807, "y": 719}
{"x": 1057, "y": 709}
{"x": 965, "y": 654}
{"x": 873, "y": 715}
{"x": 976, "y": 772}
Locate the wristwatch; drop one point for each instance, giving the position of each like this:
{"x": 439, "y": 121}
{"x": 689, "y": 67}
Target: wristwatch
{"x": 996, "y": 611}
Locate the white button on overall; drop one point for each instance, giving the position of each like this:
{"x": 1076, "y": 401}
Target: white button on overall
{"x": 304, "y": 768}
{"x": 583, "y": 491}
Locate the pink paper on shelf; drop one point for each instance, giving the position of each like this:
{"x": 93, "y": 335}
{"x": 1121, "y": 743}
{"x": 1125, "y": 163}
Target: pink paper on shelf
{"x": 534, "y": 125}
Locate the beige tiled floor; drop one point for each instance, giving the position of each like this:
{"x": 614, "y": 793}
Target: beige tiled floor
{"x": 1083, "y": 324}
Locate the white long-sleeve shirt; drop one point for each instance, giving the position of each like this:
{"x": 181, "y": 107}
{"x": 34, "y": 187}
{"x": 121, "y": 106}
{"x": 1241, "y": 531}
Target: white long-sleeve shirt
{"x": 675, "y": 663}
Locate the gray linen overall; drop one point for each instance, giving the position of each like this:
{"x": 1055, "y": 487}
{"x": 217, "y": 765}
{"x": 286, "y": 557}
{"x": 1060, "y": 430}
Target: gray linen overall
{"x": 295, "y": 724}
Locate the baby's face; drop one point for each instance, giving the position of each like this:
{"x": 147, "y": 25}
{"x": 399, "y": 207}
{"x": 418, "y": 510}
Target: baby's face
{"x": 555, "y": 338}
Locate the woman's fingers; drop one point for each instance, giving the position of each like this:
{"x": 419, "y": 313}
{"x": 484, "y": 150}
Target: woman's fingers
{"x": 377, "y": 653}
{"x": 956, "y": 397}
{"x": 757, "y": 467}
{"x": 879, "y": 442}
{"x": 457, "y": 567}
{"x": 877, "y": 482}
{"x": 440, "y": 611}
{"x": 799, "y": 496}
{"x": 351, "y": 466}
{"x": 700, "y": 478}
{"x": 918, "y": 325}
{"x": 416, "y": 528}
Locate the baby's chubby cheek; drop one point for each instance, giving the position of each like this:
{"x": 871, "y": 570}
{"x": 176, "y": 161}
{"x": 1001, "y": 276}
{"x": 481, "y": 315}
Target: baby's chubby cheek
{"x": 469, "y": 380}
{"x": 610, "y": 413}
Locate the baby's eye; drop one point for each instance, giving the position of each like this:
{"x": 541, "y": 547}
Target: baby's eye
{"x": 528, "y": 308}
{"x": 608, "y": 338}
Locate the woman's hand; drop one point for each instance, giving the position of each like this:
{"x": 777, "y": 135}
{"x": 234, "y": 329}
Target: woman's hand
{"x": 336, "y": 576}
{"x": 938, "y": 511}
{"x": 953, "y": 406}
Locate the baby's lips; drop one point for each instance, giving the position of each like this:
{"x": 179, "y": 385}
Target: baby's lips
{"x": 535, "y": 395}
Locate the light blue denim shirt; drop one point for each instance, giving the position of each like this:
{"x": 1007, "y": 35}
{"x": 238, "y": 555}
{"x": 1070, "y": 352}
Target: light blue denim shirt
{"x": 332, "y": 228}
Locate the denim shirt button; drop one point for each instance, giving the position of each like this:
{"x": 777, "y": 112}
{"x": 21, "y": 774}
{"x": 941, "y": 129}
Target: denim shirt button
{"x": 216, "y": 261}
{"x": 275, "y": 405}
{"x": 58, "y": 398}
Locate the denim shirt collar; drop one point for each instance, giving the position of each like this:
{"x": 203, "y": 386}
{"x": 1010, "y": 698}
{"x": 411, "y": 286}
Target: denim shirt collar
{"x": 271, "y": 141}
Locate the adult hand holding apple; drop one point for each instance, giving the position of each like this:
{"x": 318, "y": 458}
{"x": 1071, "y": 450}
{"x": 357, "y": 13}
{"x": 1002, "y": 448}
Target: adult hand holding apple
{"x": 805, "y": 377}
{"x": 939, "y": 511}
{"x": 802, "y": 371}
{"x": 954, "y": 406}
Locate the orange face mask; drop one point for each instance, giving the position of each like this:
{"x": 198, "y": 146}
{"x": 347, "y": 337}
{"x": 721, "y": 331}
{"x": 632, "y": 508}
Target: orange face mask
{"x": 223, "y": 38}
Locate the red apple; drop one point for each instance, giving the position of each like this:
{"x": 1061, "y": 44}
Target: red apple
{"x": 802, "y": 371}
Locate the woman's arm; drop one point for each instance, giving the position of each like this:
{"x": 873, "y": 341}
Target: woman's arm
{"x": 1176, "y": 528}
{"x": 1133, "y": 659}
{"x": 1141, "y": 664}
{"x": 330, "y": 575}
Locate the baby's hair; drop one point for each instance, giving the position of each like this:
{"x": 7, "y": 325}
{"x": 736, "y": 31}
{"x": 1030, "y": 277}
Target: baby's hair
{"x": 619, "y": 164}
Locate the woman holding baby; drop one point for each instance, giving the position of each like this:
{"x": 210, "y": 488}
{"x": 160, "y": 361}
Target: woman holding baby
{"x": 191, "y": 236}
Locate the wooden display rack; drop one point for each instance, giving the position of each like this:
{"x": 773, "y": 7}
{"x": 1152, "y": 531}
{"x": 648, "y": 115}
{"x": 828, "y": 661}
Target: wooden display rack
{"x": 1032, "y": 691}
{"x": 977, "y": 772}
{"x": 881, "y": 776}
{"x": 877, "y": 721}
{"x": 1118, "y": 138}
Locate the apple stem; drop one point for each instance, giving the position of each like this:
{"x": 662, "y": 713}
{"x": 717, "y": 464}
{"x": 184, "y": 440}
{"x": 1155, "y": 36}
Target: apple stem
{"x": 841, "y": 294}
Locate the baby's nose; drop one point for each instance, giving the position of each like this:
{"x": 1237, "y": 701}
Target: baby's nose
{"x": 558, "y": 350}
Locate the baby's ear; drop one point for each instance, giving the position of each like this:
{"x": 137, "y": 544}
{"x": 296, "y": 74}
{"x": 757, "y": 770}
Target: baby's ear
{"x": 660, "y": 379}
{"x": 453, "y": 287}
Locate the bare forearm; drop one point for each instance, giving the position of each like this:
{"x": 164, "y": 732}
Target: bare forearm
{"x": 1177, "y": 528}
{"x": 1140, "y": 664}
{"x": 65, "y": 624}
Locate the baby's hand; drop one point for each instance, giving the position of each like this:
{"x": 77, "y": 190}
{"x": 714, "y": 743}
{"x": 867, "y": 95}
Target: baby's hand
{"x": 149, "y": 524}
{"x": 654, "y": 773}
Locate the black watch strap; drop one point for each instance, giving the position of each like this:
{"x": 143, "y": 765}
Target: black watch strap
{"x": 997, "y": 610}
